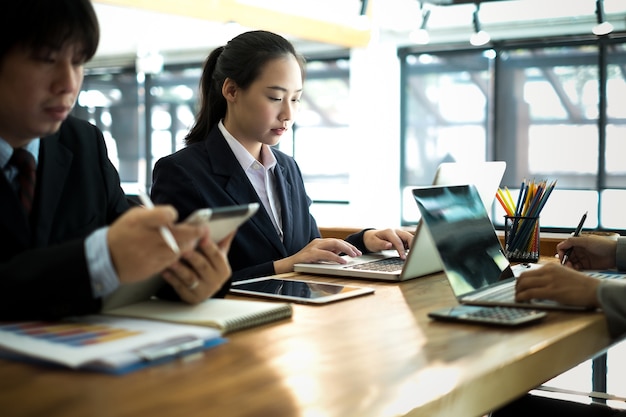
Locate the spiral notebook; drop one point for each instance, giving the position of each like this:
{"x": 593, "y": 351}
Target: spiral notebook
{"x": 226, "y": 315}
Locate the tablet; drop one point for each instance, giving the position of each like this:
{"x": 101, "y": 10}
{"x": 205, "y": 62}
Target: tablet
{"x": 298, "y": 291}
{"x": 223, "y": 220}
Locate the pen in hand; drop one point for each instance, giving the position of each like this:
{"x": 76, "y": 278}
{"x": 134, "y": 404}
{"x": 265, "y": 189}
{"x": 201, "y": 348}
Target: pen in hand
{"x": 165, "y": 232}
{"x": 576, "y": 233}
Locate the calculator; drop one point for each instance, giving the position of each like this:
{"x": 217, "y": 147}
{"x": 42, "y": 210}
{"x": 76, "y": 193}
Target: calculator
{"x": 492, "y": 315}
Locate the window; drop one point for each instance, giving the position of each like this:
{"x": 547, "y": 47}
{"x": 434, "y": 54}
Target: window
{"x": 115, "y": 102}
{"x": 110, "y": 101}
{"x": 322, "y": 124}
{"x": 445, "y": 116}
{"x": 553, "y": 112}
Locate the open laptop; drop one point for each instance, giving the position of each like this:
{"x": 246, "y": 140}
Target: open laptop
{"x": 468, "y": 246}
{"x": 422, "y": 259}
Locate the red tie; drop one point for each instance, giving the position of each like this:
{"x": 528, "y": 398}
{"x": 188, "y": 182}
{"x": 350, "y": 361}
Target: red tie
{"x": 26, "y": 176}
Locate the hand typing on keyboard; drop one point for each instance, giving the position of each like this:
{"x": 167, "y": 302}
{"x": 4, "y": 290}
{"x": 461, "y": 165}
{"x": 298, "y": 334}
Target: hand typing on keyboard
{"x": 558, "y": 283}
{"x": 318, "y": 250}
{"x": 386, "y": 239}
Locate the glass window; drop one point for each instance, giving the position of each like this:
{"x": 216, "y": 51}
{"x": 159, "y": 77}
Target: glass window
{"x": 322, "y": 124}
{"x": 551, "y": 112}
{"x": 110, "y": 101}
{"x": 115, "y": 101}
{"x": 171, "y": 99}
{"x": 445, "y": 116}
{"x": 548, "y": 125}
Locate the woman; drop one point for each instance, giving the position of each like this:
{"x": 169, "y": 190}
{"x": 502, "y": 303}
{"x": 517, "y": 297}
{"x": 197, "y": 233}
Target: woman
{"x": 250, "y": 92}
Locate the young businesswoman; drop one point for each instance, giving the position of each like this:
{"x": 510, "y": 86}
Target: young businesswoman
{"x": 72, "y": 239}
{"x": 250, "y": 91}
{"x": 567, "y": 285}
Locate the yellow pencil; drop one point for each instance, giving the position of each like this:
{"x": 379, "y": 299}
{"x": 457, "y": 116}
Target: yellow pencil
{"x": 510, "y": 201}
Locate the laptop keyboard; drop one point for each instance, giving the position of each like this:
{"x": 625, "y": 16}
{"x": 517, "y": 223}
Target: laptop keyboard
{"x": 386, "y": 265}
{"x": 499, "y": 293}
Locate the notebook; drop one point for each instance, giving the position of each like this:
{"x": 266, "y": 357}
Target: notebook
{"x": 422, "y": 259}
{"x": 226, "y": 315}
{"x": 468, "y": 246}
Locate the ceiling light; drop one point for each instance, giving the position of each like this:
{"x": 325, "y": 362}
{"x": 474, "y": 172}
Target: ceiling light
{"x": 479, "y": 37}
{"x": 363, "y": 11}
{"x": 421, "y": 36}
{"x": 603, "y": 27}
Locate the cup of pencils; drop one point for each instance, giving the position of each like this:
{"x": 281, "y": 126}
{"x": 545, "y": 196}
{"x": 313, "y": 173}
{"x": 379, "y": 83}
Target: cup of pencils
{"x": 521, "y": 222}
{"x": 521, "y": 238}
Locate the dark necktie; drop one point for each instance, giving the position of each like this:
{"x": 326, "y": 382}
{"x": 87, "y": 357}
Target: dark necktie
{"x": 26, "y": 176}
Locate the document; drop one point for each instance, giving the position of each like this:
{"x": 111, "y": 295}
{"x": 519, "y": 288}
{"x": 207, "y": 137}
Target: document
{"x": 108, "y": 344}
{"x": 226, "y": 315}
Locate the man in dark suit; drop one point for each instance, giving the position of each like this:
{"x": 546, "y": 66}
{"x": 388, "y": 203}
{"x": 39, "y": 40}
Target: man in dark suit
{"x": 75, "y": 239}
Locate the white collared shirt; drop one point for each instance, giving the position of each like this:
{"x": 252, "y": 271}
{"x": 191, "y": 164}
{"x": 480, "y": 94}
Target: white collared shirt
{"x": 261, "y": 176}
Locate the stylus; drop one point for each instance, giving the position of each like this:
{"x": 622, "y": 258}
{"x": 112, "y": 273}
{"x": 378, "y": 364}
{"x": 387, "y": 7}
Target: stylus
{"x": 165, "y": 232}
{"x": 576, "y": 233}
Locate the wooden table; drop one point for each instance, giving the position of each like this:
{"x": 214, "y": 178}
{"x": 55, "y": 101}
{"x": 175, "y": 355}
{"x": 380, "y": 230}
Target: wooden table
{"x": 377, "y": 355}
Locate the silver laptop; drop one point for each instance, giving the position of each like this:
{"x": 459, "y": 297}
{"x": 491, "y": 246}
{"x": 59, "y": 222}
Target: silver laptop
{"x": 468, "y": 246}
{"x": 422, "y": 259}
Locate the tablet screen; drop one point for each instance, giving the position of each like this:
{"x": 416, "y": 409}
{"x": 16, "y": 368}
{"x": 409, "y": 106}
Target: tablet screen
{"x": 296, "y": 290}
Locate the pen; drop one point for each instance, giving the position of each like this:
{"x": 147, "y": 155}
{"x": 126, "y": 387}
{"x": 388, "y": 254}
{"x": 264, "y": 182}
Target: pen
{"x": 165, "y": 232}
{"x": 576, "y": 233}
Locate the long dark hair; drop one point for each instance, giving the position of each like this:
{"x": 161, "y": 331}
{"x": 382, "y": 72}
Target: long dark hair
{"x": 43, "y": 24}
{"x": 242, "y": 60}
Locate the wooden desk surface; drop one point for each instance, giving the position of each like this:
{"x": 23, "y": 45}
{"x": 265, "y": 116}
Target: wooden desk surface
{"x": 377, "y": 355}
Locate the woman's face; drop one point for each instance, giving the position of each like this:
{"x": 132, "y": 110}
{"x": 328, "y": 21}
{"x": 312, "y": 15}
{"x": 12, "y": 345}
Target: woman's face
{"x": 263, "y": 112}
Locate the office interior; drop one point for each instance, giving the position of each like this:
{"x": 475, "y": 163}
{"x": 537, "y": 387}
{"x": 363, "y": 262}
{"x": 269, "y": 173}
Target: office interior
{"x": 383, "y": 105}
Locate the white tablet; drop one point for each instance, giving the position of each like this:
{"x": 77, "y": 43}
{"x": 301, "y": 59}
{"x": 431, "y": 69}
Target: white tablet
{"x": 298, "y": 291}
{"x": 223, "y": 220}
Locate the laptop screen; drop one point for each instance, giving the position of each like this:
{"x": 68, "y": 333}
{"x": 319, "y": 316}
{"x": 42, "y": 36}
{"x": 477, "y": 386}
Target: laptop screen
{"x": 465, "y": 238}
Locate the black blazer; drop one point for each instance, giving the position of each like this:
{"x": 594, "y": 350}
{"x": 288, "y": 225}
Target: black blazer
{"x": 207, "y": 174}
{"x": 43, "y": 270}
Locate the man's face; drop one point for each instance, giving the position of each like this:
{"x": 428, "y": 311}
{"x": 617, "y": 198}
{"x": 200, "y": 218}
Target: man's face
{"x": 38, "y": 89}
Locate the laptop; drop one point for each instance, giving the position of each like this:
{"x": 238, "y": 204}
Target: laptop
{"x": 422, "y": 259}
{"x": 470, "y": 251}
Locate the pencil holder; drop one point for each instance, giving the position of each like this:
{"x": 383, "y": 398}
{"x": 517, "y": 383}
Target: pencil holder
{"x": 521, "y": 238}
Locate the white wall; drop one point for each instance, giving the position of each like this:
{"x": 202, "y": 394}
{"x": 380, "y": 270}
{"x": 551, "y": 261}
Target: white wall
{"x": 374, "y": 162}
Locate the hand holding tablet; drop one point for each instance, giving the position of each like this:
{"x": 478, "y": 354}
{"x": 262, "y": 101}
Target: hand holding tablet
{"x": 223, "y": 220}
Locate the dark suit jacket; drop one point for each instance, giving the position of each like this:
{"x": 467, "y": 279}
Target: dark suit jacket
{"x": 43, "y": 270}
{"x": 207, "y": 174}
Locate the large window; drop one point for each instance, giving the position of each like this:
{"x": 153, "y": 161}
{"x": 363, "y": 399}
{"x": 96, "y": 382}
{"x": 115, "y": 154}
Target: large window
{"x": 445, "y": 112}
{"x": 146, "y": 116}
{"x": 110, "y": 100}
{"x": 322, "y": 125}
{"x": 553, "y": 112}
